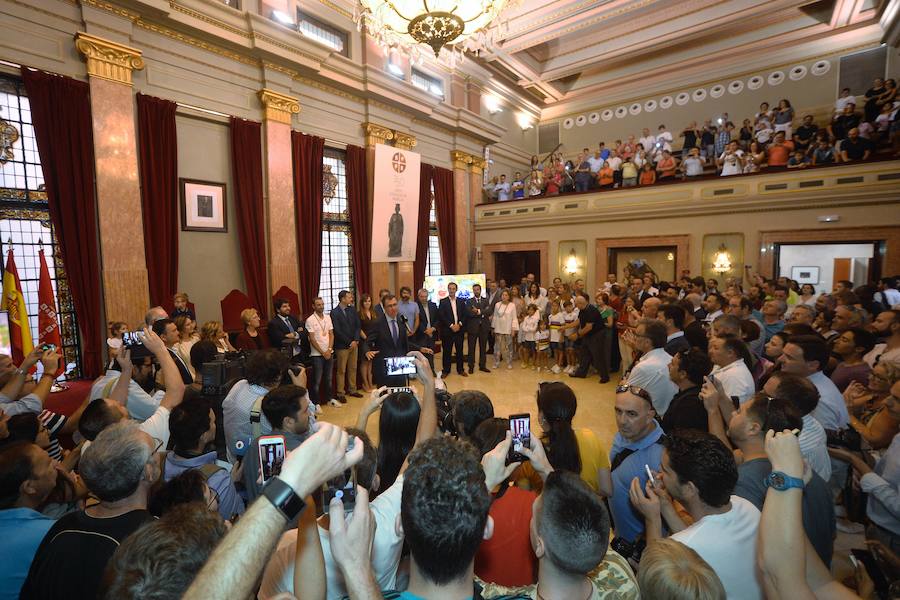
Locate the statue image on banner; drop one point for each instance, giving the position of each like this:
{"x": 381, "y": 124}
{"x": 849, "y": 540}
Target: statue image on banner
{"x": 395, "y": 206}
{"x": 395, "y": 233}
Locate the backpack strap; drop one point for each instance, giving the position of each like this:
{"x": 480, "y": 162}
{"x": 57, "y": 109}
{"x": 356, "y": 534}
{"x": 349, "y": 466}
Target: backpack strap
{"x": 208, "y": 470}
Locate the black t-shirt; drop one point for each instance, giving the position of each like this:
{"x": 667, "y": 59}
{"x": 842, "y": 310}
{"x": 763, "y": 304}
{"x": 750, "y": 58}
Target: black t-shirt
{"x": 707, "y": 138}
{"x": 686, "y": 411}
{"x": 590, "y": 314}
{"x": 856, "y": 150}
{"x": 71, "y": 559}
{"x": 805, "y": 134}
{"x": 843, "y": 124}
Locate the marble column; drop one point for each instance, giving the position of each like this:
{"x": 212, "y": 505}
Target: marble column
{"x": 461, "y": 162}
{"x": 476, "y": 183}
{"x": 406, "y": 275}
{"x": 382, "y": 275}
{"x": 284, "y": 259}
{"x": 124, "y": 268}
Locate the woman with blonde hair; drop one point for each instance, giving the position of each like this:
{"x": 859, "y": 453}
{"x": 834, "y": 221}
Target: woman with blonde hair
{"x": 188, "y": 336}
{"x": 669, "y": 570}
{"x": 212, "y": 331}
{"x": 251, "y": 338}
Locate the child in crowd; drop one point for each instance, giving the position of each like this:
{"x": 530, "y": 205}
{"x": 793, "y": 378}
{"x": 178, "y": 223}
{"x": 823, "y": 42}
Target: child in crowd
{"x": 529, "y": 327}
{"x": 114, "y": 341}
{"x": 648, "y": 175}
{"x": 823, "y": 154}
{"x": 542, "y": 347}
{"x": 798, "y": 161}
{"x": 182, "y": 308}
{"x": 518, "y": 187}
{"x": 535, "y": 183}
{"x": 570, "y": 317}
{"x": 557, "y": 322}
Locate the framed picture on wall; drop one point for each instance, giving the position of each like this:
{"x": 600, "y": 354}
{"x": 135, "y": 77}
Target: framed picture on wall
{"x": 203, "y": 206}
{"x": 805, "y": 275}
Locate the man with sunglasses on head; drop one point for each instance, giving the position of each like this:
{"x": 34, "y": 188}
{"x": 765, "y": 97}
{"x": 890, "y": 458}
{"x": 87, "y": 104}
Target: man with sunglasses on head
{"x": 636, "y": 446}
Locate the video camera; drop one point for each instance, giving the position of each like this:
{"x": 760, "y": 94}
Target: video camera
{"x": 444, "y": 400}
{"x": 218, "y": 375}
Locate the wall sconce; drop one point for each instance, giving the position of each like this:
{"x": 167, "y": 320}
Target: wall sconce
{"x": 572, "y": 263}
{"x": 670, "y": 256}
{"x": 492, "y": 103}
{"x": 524, "y": 120}
{"x": 721, "y": 261}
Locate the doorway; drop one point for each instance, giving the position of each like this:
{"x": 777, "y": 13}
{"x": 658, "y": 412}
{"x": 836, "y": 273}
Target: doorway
{"x": 821, "y": 264}
{"x": 513, "y": 266}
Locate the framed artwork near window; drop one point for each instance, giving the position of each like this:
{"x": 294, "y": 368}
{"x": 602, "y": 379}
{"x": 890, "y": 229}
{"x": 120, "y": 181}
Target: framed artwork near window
{"x": 805, "y": 275}
{"x": 203, "y": 206}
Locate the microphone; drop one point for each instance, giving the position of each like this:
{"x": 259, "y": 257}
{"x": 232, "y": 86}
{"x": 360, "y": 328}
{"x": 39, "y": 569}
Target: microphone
{"x": 405, "y": 321}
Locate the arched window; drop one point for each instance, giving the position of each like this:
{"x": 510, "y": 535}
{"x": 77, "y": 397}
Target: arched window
{"x": 337, "y": 257}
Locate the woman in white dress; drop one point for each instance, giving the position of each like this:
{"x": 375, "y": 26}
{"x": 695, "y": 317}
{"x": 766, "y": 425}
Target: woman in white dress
{"x": 505, "y": 323}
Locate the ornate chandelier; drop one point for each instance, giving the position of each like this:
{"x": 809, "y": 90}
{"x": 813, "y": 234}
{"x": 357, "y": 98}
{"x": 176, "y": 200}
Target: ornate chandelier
{"x": 722, "y": 261}
{"x": 404, "y": 24}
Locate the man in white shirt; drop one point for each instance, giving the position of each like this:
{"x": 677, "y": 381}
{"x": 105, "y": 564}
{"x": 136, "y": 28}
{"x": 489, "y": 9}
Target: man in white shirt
{"x": 648, "y": 141}
{"x": 806, "y": 355}
{"x": 699, "y": 471}
{"x": 502, "y": 189}
{"x": 729, "y": 368}
{"x": 651, "y": 371}
{"x": 321, "y": 342}
{"x": 713, "y": 306}
{"x": 843, "y": 100}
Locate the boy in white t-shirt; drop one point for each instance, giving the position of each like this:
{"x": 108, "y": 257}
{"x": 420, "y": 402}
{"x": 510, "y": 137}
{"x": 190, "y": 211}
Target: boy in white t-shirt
{"x": 528, "y": 327}
{"x": 557, "y": 321}
{"x": 542, "y": 346}
{"x": 570, "y": 314}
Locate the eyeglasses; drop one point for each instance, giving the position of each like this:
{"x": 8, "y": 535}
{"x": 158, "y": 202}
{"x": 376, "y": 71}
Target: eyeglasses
{"x": 637, "y": 391}
{"x": 213, "y": 503}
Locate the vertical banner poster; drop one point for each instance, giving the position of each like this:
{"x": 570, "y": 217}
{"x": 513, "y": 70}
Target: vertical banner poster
{"x": 395, "y": 211}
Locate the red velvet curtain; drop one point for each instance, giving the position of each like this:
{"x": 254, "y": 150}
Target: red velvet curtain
{"x": 425, "y": 176}
{"x": 360, "y": 226}
{"x": 158, "y": 163}
{"x": 307, "y": 154}
{"x": 445, "y": 208}
{"x": 247, "y": 171}
{"x": 61, "y": 114}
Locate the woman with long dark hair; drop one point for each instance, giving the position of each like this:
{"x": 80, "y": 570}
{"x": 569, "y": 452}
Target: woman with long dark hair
{"x": 577, "y": 450}
{"x": 367, "y": 319}
{"x": 397, "y": 425}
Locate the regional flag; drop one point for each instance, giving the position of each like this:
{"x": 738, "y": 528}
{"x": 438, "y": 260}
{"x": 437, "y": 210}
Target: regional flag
{"x": 48, "y": 326}
{"x": 13, "y": 302}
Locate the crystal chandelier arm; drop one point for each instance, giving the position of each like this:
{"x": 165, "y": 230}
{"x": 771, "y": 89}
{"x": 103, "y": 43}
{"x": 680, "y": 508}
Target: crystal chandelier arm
{"x": 396, "y": 10}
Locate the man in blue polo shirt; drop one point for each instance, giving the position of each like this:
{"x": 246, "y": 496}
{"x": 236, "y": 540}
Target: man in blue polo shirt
{"x": 637, "y": 443}
{"x": 27, "y": 476}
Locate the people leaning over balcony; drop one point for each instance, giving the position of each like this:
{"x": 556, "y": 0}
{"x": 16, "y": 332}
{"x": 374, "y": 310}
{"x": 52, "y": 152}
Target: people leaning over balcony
{"x": 768, "y": 140}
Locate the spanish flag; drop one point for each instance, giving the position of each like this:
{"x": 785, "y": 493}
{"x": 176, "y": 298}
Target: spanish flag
{"x": 14, "y": 303}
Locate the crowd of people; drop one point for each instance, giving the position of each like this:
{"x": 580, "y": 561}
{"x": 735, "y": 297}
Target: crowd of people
{"x": 752, "y": 421}
{"x": 773, "y": 138}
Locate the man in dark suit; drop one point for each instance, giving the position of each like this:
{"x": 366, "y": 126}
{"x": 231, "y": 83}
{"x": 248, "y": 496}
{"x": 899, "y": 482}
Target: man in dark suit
{"x": 379, "y": 308}
{"x": 452, "y": 315}
{"x": 426, "y": 334}
{"x": 168, "y": 333}
{"x": 478, "y": 326}
{"x": 345, "y": 321}
{"x": 388, "y": 339}
{"x": 493, "y": 296}
{"x": 673, "y": 316}
{"x": 285, "y": 330}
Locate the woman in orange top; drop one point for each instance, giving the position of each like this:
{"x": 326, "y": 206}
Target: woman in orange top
{"x": 648, "y": 175}
{"x": 605, "y": 175}
{"x": 666, "y": 165}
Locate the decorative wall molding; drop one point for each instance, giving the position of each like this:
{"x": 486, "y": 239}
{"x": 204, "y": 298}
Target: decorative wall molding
{"x": 108, "y": 60}
{"x": 404, "y": 141}
{"x": 460, "y": 159}
{"x": 377, "y": 134}
{"x": 477, "y": 165}
{"x": 279, "y": 107}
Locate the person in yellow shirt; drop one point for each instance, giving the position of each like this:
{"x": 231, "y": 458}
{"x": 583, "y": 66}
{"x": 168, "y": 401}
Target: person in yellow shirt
{"x": 576, "y": 450}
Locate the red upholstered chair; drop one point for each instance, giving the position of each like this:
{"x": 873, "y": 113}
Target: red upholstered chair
{"x": 232, "y": 305}
{"x": 291, "y": 296}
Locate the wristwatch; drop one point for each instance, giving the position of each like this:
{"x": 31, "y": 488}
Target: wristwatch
{"x": 781, "y": 482}
{"x": 282, "y": 497}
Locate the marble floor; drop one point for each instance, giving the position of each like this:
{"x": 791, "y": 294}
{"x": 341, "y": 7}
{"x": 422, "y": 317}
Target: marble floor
{"x": 512, "y": 391}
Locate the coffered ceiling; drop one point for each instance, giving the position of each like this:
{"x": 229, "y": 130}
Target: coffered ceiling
{"x": 562, "y": 52}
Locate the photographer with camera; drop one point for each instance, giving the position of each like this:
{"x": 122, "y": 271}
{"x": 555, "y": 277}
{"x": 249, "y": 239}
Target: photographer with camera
{"x": 143, "y": 396}
{"x": 242, "y": 407}
{"x": 10, "y": 402}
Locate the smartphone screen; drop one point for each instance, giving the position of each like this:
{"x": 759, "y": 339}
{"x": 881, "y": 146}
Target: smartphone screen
{"x": 520, "y": 428}
{"x": 271, "y": 456}
{"x": 400, "y": 365}
{"x": 132, "y": 338}
{"x": 342, "y": 487}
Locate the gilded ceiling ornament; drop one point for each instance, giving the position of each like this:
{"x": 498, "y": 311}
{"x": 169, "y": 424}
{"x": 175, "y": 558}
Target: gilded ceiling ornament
{"x": 9, "y": 135}
{"x": 329, "y": 184}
